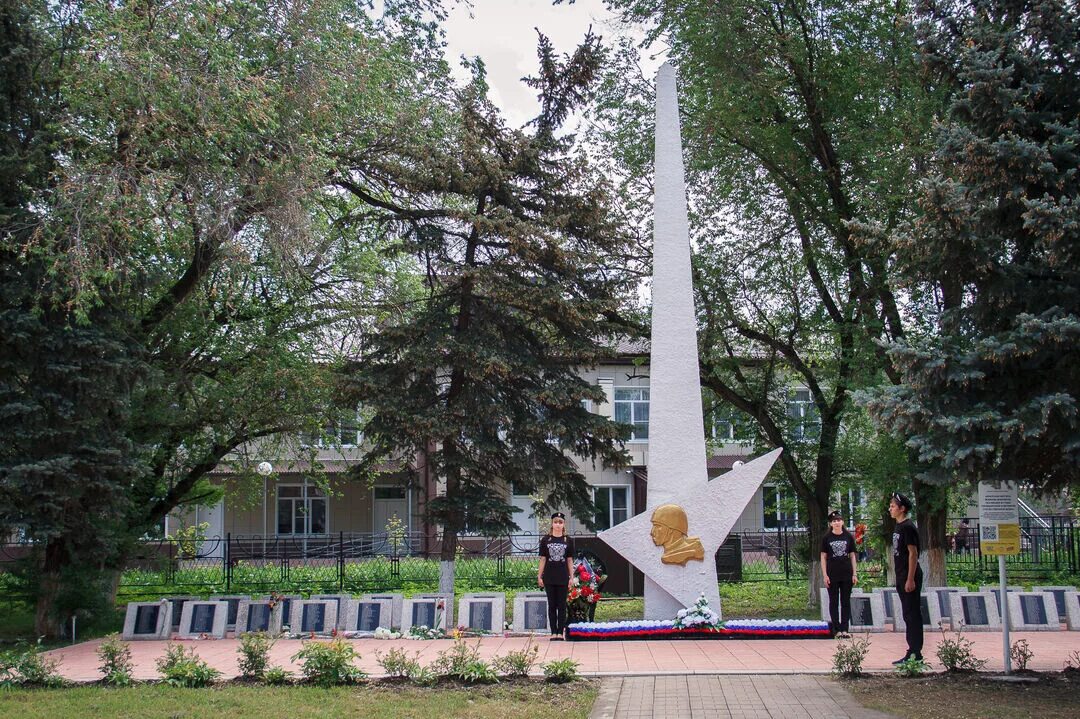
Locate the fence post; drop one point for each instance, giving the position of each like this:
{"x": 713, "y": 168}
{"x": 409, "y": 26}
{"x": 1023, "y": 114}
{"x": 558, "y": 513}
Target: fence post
{"x": 787, "y": 554}
{"x": 228, "y": 564}
{"x": 341, "y": 561}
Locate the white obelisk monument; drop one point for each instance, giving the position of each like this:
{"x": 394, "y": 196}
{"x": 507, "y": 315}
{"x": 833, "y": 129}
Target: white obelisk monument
{"x": 676, "y": 430}
{"x": 677, "y": 472}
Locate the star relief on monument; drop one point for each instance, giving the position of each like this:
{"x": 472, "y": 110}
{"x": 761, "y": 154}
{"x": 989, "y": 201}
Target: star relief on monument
{"x": 711, "y": 509}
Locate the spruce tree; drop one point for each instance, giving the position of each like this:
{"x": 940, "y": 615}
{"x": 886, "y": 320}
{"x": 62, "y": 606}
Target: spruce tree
{"x": 515, "y": 237}
{"x": 993, "y": 394}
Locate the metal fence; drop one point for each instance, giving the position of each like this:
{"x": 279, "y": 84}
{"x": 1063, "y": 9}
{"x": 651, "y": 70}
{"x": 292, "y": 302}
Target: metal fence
{"x": 358, "y": 562}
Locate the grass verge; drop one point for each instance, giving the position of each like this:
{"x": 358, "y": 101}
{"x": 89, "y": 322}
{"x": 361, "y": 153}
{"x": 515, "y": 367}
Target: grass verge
{"x": 519, "y": 700}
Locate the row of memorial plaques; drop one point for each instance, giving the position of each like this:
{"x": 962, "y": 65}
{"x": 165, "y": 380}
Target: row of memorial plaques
{"x": 956, "y": 607}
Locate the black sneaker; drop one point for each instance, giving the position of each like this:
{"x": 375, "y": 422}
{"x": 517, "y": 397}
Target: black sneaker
{"x": 898, "y": 662}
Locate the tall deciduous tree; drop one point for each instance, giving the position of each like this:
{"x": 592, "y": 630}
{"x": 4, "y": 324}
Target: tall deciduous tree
{"x": 185, "y": 222}
{"x": 994, "y": 393}
{"x": 802, "y": 118}
{"x": 514, "y": 234}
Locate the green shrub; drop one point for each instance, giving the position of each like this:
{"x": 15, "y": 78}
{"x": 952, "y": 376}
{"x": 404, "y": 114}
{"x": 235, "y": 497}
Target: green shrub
{"x": 478, "y": 672}
{"x": 455, "y": 661}
{"x": 185, "y": 669}
{"x": 397, "y": 664}
{"x": 116, "y": 666}
{"x": 254, "y": 651}
{"x": 1021, "y": 654}
{"x": 422, "y": 676}
{"x": 518, "y": 664}
{"x": 912, "y": 667}
{"x": 328, "y": 664}
{"x": 958, "y": 655}
{"x": 849, "y": 655}
{"x": 561, "y": 671}
{"x": 276, "y": 676}
{"x": 27, "y": 665}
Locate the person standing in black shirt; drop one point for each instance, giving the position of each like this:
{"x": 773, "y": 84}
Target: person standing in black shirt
{"x": 556, "y": 568}
{"x": 909, "y": 576}
{"x": 840, "y": 572}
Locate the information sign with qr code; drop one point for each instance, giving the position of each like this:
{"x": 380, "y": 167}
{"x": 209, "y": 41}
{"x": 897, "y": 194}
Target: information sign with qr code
{"x": 999, "y": 519}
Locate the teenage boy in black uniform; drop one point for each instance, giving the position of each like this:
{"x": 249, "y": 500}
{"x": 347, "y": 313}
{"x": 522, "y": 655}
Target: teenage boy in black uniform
{"x": 909, "y": 576}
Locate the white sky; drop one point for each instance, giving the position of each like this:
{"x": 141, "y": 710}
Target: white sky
{"x": 503, "y": 34}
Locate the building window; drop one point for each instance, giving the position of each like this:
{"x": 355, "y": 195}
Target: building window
{"x": 632, "y": 407}
{"x": 301, "y": 509}
{"x": 777, "y": 509}
{"x": 612, "y": 506}
{"x": 803, "y": 418}
{"x": 345, "y": 433}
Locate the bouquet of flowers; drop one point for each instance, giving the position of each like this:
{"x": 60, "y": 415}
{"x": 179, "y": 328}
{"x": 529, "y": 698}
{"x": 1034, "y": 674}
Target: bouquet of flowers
{"x": 584, "y": 590}
{"x": 699, "y": 616}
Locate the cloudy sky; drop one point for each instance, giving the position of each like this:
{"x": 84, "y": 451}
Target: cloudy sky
{"x": 503, "y": 34}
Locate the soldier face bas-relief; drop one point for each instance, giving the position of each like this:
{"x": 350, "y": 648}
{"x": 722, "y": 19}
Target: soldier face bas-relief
{"x": 669, "y": 531}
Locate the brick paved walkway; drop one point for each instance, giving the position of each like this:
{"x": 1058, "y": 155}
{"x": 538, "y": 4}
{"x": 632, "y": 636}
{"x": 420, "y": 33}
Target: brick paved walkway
{"x": 766, "y": 696}
{"x": 659, "y": 657}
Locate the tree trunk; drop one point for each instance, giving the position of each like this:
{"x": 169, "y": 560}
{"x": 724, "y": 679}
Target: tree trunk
{"x": 446, "y": 561}
{"x": 887, "y": 525}
{"x": 47, "y": 622}
{"x": 816, "y": 516}
{"x": 931, "y": 516}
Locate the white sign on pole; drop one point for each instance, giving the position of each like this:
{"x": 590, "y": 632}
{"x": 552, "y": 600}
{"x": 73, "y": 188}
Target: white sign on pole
{"x": 999, "y": 519}
{"x": 999, "y": 533}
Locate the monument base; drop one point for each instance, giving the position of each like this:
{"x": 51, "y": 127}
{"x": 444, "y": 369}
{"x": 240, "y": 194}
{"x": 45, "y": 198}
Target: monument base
{"x": 733, "y": 629}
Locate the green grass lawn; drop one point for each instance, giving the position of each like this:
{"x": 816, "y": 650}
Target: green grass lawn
{"x": 521, "y": 700}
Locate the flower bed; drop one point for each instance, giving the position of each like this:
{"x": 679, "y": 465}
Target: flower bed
{"x": 732, "y": 629}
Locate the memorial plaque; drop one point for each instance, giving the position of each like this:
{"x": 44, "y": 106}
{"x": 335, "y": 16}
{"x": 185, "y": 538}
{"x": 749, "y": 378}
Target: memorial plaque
{"x": 861, "y": 613}
{"x": 1059, "y": 597}
{"x": 202, "y": 618}
{"x": 146, "y": 619}
{"x": 924, "y": 607}
{"x": 536, "y": 618}
{"x": 1033, "y": 610}
{"x": 286, "y": 607}
{"x": 234, "y": 604}
{"x": 368, "y": 616}
{"x": 258, "y": 619}
{"x": 178, "y": 609}
{"x": 423, "y": 614}
{"x": 975, "y": 614}
{"x": 480, "y": 616}
{"x": 313, "y": 618}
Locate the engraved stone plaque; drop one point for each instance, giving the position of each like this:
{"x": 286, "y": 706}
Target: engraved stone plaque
{"x": 480, "y": 616}
{"x": 423, "y": 614}
{"x": 146, "y": 619}
{"x": 313, "y": 618}
{"x": 258, "y": 619}
{"x": 202, "y": 618}
{"x": 975, "y": 614}
{"x": 368, "y": 616}
{"x": 1033, "y": 610}
{"x": 861, "y": 613}
{"x": 536, "y": 615}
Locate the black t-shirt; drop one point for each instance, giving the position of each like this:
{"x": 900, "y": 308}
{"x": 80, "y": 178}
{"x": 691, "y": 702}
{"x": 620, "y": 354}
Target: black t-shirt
{"x": 556, "y": 550}
{"x": 904, "y": 535}
{"x": 836, "y": 548}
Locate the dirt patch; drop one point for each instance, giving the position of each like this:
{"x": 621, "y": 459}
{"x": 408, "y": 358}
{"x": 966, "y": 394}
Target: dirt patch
{"x": 977, "y": 696}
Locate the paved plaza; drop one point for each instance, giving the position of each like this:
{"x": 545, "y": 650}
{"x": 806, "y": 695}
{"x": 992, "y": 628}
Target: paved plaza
{"x": 763, "y": 696}
{"x": 613, "y": 658}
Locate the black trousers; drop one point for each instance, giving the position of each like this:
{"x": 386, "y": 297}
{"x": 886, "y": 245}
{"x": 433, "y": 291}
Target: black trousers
{"x": 840, "y": 603}
{"x": 556, "y": 596}
{"x": 911, "y": 610}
